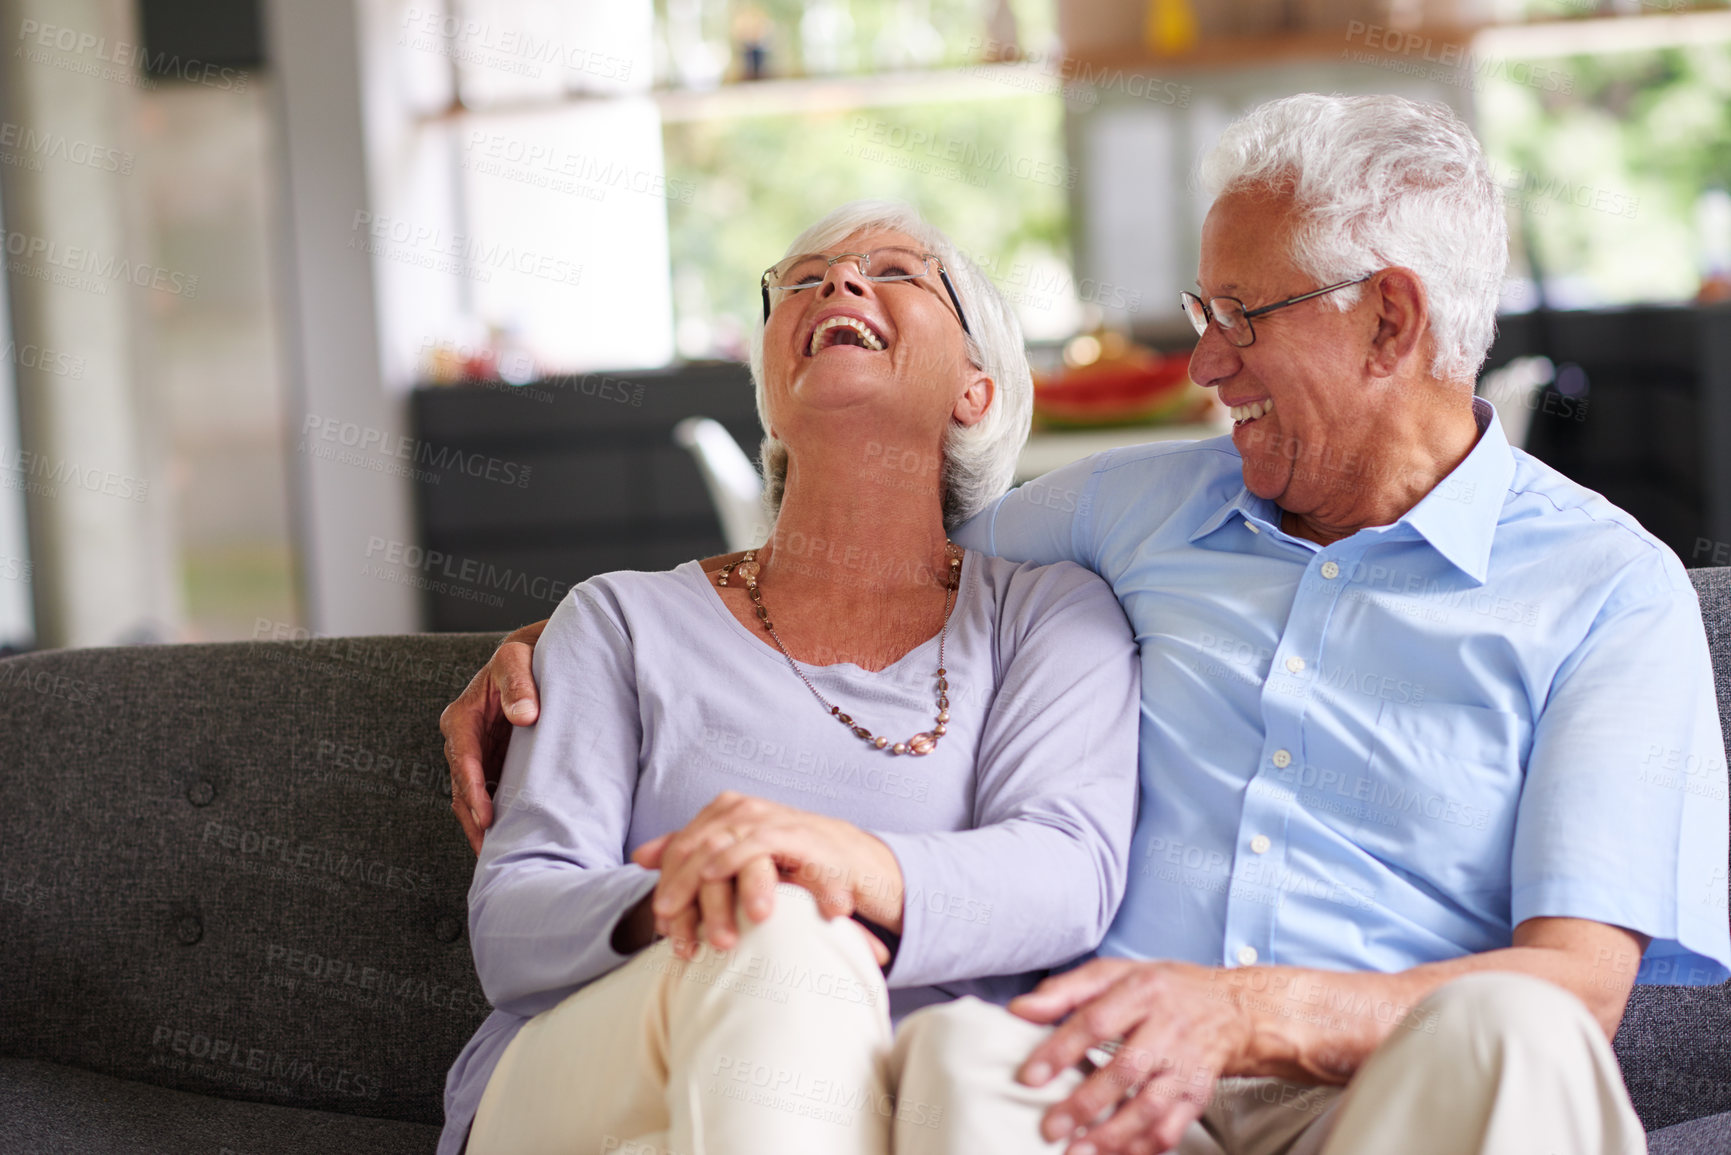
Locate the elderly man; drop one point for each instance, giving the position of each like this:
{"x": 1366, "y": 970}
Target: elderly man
{"x": 1431, "y": 769}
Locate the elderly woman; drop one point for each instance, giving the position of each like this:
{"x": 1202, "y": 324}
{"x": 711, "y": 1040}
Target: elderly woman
{"x": 775, "y": 801}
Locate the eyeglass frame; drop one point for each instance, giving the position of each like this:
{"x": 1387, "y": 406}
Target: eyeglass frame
{"x": 1185, "y": 296}
{"x": 943, "y": 275}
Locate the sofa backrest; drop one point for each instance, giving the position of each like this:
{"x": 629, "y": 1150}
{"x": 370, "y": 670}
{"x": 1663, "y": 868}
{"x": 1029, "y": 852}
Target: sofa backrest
{"x": 233, "y": 869}
{"x": 1675, "y": 1042}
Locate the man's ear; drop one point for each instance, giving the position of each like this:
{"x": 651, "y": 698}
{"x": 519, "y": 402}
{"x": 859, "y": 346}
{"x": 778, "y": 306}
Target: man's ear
{"x": 1402, "y": 319}
{"x": 975, "y": 400}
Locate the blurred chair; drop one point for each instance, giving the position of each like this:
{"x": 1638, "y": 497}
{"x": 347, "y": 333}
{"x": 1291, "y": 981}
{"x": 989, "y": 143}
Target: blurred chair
{"x": 1515, "y": 390}
{"x": 734, "y": 486}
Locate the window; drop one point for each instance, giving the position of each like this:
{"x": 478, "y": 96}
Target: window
{"x": 615, "y": 187}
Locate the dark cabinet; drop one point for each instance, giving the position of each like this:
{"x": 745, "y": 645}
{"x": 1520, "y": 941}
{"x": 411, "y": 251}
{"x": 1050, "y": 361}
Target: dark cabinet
{"x": 1640, "y": 412}
{"x": 523, "y": 492}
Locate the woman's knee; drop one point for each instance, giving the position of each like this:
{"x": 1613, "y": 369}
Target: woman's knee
{"x": 795, "y": 923}
{"x": 795, "y": 953}
{"x": 965, "y": 1034}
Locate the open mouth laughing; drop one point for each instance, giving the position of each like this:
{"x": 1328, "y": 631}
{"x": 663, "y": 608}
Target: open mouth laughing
{"x": 837, "y": 330}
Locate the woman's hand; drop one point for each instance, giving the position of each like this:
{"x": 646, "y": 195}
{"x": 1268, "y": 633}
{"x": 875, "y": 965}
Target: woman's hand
{"x": 477, "y": 727}
{"x": 742, "y": 846}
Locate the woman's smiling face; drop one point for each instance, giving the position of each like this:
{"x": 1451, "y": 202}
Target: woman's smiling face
{"x": 850, "y": 343}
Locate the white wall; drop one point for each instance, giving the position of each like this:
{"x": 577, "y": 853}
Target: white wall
{"x": 83, "y": 285}
{"x": 342, "y": 506}
{"x": 529, "y": 212}
{"x": 17, "y": 621}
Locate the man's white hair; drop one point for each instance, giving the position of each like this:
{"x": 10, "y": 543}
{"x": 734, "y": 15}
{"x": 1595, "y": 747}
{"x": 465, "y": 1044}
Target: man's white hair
{"x": 1380, "y": 181}
{"x": 979, "y": 460}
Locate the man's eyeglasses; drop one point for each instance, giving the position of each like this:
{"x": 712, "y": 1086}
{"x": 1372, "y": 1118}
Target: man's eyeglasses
{"x": 1233, "y": 319}
{"x": 880, "y": 265}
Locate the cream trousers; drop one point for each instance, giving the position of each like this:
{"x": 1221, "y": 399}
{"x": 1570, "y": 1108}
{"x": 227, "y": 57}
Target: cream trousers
{"x": 1489, "y": 1064}
{"x": 782, "y": 1046}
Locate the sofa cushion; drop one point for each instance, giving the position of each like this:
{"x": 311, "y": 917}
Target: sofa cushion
{"x": 1709, "y": 1136}
{"x": 50, "y": 1110}
{"x": 1675, "y": 1050}
{"x": 233, "y": 869}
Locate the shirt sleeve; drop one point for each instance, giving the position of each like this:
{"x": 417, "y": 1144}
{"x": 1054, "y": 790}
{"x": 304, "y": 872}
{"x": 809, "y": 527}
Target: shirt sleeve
{"x": 1041, "y": 521}
{"x": 1622, "y": 819}
{"x": 552, "y": 881}
{"x": 1039, "y": 877}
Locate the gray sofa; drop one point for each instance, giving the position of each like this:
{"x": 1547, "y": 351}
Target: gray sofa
{"x": 232, "y": 905}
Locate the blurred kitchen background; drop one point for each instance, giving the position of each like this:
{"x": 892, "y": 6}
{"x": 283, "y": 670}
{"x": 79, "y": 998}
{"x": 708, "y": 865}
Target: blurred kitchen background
{"x": 329, "y": 317}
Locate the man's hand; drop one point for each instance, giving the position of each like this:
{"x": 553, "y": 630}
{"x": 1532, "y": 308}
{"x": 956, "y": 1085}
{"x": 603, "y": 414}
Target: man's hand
{"x": 1181, "y": 1028}
{"x": 1185, "y": 1026}
{"x": 477, "y": 727}
{"x": 749, "y": 843}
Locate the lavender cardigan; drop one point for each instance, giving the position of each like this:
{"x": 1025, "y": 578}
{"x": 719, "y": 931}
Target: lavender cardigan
{"x": 1012, "y": 836}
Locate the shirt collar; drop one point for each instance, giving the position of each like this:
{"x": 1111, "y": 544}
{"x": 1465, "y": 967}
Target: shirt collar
{"x": 1458, "y": 518}
{"x": 1243, "y": 506}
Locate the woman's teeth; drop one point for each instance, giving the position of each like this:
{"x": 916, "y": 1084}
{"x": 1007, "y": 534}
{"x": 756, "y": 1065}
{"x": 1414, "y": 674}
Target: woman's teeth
{"x": 1253, "y": 410}
{"x": 867, "y": 338}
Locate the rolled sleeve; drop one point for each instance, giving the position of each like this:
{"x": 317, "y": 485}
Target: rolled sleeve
{"x": 1042, "y": 521}
{"x": 1622, "y": 818}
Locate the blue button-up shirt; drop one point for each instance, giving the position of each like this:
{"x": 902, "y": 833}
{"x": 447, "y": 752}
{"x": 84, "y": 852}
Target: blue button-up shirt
{"x": 1393, "y": 749}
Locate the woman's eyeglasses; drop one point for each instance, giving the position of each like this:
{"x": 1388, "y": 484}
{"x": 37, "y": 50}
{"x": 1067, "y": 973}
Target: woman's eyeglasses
{"x": 880, "y": 265}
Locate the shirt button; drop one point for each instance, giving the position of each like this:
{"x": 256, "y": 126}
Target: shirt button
{"x": 1295, "y": 664}
{"x": 1330, "y": 570}
{"x": 1282, "y": 759}
{"x": 1246, "y": 955}
{"x": 1260, "y": 844}
{"x": 1252, "y": 527}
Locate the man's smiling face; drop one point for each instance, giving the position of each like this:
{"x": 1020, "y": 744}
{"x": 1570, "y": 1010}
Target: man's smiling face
{"x": 1305, "y": 412}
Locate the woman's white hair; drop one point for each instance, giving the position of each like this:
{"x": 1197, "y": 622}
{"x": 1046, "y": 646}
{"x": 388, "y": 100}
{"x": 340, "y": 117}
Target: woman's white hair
{"x": 1380, "y": 181}
{"x": 979, "y": 460}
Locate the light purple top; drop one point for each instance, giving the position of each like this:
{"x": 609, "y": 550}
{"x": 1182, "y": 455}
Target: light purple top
{"x": 1012, "y": 836}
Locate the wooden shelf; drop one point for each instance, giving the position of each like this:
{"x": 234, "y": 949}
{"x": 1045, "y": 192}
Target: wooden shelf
{"x": 1104, "y": 68}
{"x": 1631, "y": 33}
{"x": 790, "y": 95}
{"x": 1538, "y": 39}
{"x": 1220, "y": 55}
{"x": 786, "y": 96}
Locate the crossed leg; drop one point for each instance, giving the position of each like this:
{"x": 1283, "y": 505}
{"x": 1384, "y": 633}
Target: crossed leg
{"x": 777, "y": 1047}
